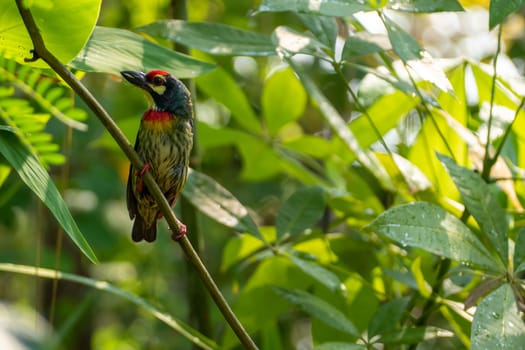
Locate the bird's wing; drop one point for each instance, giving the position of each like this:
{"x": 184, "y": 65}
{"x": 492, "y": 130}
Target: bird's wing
{"x": 130, "y": 195}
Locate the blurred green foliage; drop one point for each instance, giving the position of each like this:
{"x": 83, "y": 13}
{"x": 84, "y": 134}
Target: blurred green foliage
{"x": 360, "y": 178}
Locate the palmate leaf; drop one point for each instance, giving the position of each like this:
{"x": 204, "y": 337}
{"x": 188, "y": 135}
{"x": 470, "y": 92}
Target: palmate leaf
{"x": 38, "y": 180}
{"x": 497, "y": 323}
{"x": 481, "y": 204}
{"x": 430, "y": 227}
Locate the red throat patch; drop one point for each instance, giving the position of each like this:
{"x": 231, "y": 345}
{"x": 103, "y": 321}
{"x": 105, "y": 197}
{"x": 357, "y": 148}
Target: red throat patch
{"x": 157, "y": 116}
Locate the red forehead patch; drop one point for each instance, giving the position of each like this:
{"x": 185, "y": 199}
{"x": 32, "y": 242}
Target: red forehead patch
{"x": 155, "y": 72}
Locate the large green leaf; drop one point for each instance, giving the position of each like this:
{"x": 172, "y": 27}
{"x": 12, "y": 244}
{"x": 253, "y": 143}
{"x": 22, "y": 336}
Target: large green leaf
{"x": 37, "y": 179}
{"x": 433, "y": 229}
{"x": 65, "y": 27}
{"x": 319, "y": 309}
{"x": 113, "y": 50}
{"x": 340, "y": 346}
{"x": 482, "y": 204}
{"x": 425, "y": 6}
{"x": 324, "y": 28}
{"x": 499, "y": 10}
{"x": 218, "y": 203}
{"x": 289, "y": 42}
{"x": 497, "y": 323}
{"x": 214, "y": 38}
{"x": 283, "y": 99}
{"x": 302, "y": 210}
{"x": 339, "y": 8}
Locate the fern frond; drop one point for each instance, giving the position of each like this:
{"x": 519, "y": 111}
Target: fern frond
{"x": 51, "y": 96}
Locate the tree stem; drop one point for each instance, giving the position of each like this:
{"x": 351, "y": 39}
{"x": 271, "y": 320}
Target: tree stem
{"x": 40, "y": 51}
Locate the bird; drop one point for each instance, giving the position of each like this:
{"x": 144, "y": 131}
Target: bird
{"x": 164, "y": 142}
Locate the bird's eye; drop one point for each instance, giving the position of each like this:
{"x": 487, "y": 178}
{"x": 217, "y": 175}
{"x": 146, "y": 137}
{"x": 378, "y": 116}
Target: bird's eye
{"x": 157, "y": 81}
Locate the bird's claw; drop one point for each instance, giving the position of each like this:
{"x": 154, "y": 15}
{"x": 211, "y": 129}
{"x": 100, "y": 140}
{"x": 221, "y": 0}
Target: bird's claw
{"x": 182, "y": 232}
{"x": 142, "y": 171}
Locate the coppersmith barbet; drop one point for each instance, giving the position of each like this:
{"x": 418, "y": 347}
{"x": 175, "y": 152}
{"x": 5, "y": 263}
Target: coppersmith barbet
{"x": 164, "y": 142}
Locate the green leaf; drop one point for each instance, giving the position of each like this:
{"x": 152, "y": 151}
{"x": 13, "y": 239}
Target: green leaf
{"x": 387, "y": 316}
{"x": 283, "y": 99}
{"x": 324, "y": 28}
{"x": 186, "y": 331}
{"x": 214, "y": 38}
{"x": 414, "y": 335}
{"x": 338, "y": 8}
{"x": 519, "y": 252}
{"x": 302, "y": 210}
{"x": 425, "y": 6}
{"x": 38, "y": 180}
{"x": 482, "y": 204}
{"x": 113, "y": 50}
{"x": 433, "y": 229}
{"x": 218, "y": 203}
{"x": 497, "y": 323}
{"x": 220, "y": 86}
{"x": 499, "y": 10}
{"x": 319, "y": 309}
{"x": 318, "y": 272}
{"x": 359, "y": 45}
{"x": 403, "y": 44}
{"x": 289, "y": 42}
{"x": 65, "y": 27}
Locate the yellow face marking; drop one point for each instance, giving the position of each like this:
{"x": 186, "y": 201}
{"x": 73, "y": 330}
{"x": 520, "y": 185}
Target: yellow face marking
{"x": 158, "y": 84}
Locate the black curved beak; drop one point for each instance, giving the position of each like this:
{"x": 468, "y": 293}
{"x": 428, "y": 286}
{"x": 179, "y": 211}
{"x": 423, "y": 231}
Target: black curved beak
{"x": 135, "y": 77}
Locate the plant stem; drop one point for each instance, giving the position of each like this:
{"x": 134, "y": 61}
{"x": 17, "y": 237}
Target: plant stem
{"x": 40, "y": 51}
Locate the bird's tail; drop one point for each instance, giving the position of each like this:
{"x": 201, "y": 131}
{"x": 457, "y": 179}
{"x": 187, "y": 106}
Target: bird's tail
{"x": 141, "y": 230}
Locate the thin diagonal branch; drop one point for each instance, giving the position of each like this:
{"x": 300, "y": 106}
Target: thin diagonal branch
{"x": 40, "y": 51}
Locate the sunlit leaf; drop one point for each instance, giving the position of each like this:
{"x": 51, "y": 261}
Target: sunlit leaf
{"x": 283, "y": 99}
{"x": 65, "y": 27}
{"x": 497, "y": 323}
{"x": 218, "y": 203}
{"x": 337, "y": 8}
{"x": 482, "y": 204}
{"x": 433, "y": 229}
{"x": 425, "y": 6}
{"x": 112, "y": 50}
{"x": 37, "y": 179}
{"x": 290, "y": 42}
{"x": 214, "y": 38}
{"x": 319, "y": 309}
